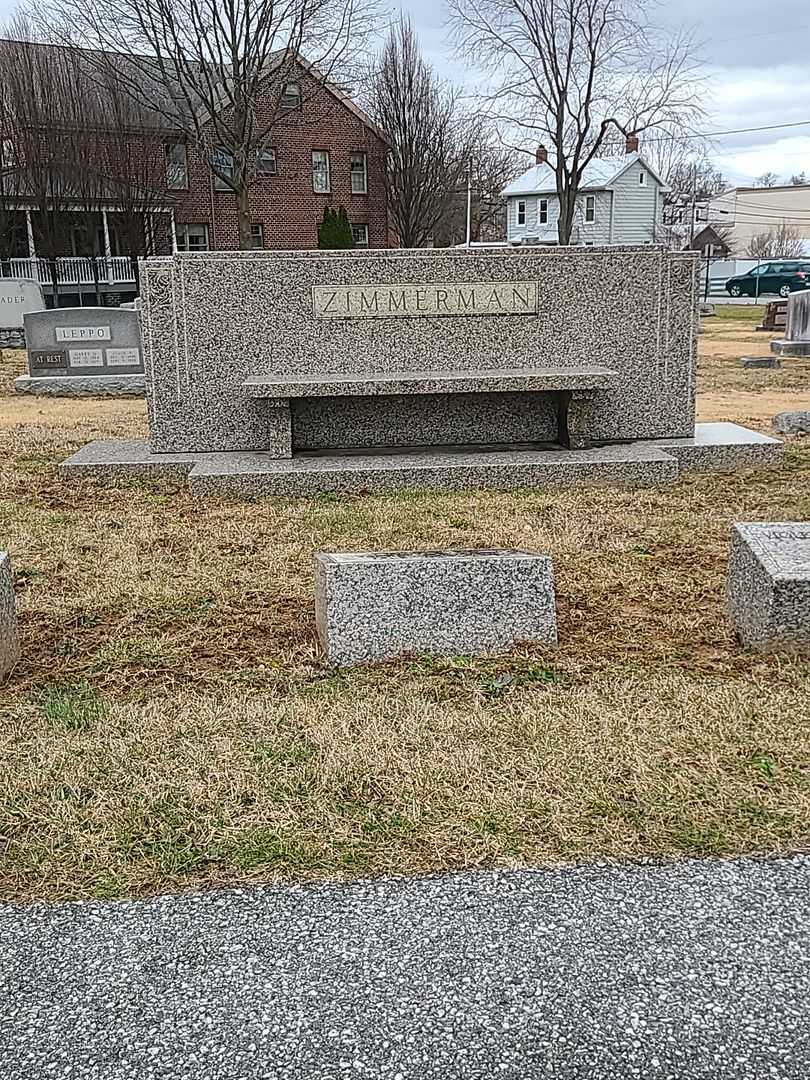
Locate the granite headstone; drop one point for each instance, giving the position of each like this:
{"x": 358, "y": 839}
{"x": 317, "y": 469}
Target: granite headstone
{"x": 9, "y": 636}
{"x": 374, "y": 605}
{"x": 83, "y": 341}
{"x": 768, "y": 585}
{"x": 796, "y": 341}
{"x": 18, "y": 297}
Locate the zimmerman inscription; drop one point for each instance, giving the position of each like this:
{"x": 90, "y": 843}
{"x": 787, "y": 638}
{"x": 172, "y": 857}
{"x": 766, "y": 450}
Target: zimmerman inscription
{"x": 447, "y": 298}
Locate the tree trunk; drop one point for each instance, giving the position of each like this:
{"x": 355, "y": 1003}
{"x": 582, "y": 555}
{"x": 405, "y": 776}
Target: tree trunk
{"x": 243, "y": 205}
{"x": 565, "y": 222}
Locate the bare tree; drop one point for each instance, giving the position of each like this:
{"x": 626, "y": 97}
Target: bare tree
{"x": 49, "y": 140}
{"x": 430, "y": 151}
{"x": 8, "y": 181}
{"x": 568, "y": 71}
{"x": 493, "y": 166}
{"x": 205, "y": 66}
{"x": 797, "y": 179}
{"x": 780, "y": 242}
{"x": 132, "y": 166}
{"x": 768, "y": 179}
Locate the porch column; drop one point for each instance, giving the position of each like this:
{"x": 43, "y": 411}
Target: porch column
{"x": 32, "y": 251}
{"x": 174, "y": 235}
{"x": 107, "y": 247}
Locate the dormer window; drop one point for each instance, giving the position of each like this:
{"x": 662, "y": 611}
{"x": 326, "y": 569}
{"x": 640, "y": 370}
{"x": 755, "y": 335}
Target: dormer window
{"x": 290, "y": 97}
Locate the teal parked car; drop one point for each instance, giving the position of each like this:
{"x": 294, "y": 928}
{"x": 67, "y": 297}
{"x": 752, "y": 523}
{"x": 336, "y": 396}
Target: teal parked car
{"x": 780, "y": 278}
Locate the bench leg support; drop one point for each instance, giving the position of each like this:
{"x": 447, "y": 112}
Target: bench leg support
{"x": 574, "y": 419}
{"x": 279, "y": 443}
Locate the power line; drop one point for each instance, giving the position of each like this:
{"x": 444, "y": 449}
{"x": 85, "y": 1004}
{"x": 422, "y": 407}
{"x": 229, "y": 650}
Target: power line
{"x": 759, "y": 34}
{"x": 732, "y": 131}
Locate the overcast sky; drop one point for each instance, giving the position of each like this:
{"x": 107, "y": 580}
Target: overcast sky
{"x": 757, "y": 65}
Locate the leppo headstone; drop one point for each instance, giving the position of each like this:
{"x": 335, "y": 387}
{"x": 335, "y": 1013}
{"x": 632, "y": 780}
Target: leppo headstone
{"x": 83, "y": 341}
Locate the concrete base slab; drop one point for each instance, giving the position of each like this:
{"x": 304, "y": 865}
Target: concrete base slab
{"x": 715, "y": 447}
{"x": 723, "y": 447}
{"x": 82, "y": 385}
{"x": 119, "y": 459}
{"x": 249, "y": 475}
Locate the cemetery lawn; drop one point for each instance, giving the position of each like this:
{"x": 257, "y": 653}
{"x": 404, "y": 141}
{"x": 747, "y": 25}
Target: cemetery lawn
{"x": 171, "y": 724}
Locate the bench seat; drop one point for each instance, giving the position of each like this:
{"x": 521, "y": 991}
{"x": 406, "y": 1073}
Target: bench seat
{"x": 586, "y": 378}
{"x": 572, "y": 390}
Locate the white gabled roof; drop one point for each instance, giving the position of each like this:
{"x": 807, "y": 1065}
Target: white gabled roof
{"x": 598, "y": 174}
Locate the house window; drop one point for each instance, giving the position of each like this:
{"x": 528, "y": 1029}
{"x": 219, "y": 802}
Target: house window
{"x": 257, "y": 236}
{"x": 521, "y": 212}
{"x": 542, "y": 211}
{"x": 642, "y": 179}
{"x": 192, "y": 237}
{"x": 360, "y": 234}
{"x": 290, "y": 97}
{"x": 320, "y": 172}
{"x": 176, "y": 166}
{"x": 359, "y": 174}
{"x": 266, "y": 164}
{"x": 8, "y": 154}
{"x": 590, "y": 209}
{"x": 222, "y": 160}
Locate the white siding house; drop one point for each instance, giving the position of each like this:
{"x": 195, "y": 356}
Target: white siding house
{"x": 620, "y": 201}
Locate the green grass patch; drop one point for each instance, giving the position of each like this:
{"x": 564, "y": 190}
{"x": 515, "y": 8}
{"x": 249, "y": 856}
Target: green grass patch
{"x": 74, "y": 707}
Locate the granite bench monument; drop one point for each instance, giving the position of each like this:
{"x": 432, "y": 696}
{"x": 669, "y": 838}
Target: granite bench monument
{"x": 768, "y": 585}
{"x": 379, "y": 605}
{"x": 298, "y": 372}
{"x": 77, "y": 352}
{"x": 9, "y": 635}
{"x": 18, "y": 297}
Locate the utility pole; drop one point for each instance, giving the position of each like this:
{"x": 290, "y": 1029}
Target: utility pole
{"x": 694, "y": 206}
{"x": 469, "y": 204}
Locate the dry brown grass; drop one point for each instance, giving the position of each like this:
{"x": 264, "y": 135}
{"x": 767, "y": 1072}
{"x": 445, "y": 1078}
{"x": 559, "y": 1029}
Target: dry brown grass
{"x": 171, "y": 723}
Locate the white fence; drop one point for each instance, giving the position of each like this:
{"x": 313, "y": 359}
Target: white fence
{"x": 119, "y": 270}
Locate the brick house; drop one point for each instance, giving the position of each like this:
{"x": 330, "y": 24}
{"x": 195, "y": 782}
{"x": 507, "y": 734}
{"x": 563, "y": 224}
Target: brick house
{"x": 324, "y": 151}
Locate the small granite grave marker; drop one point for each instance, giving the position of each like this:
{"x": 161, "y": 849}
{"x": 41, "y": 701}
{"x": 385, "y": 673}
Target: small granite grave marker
{"x": 792, "y": 423}
{"x": 375, "y": 605}
{"x": 760, "y": 362}
{"x": 768, "y": 585}
{"x": 9, "y": 636}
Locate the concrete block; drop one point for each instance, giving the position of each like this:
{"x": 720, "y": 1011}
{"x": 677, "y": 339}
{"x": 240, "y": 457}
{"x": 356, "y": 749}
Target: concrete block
{"x": 9, "y": 635}
{"x": 378, "y": 605}
{"x": 768, "y": 585}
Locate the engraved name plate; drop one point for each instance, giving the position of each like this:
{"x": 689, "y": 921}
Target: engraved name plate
{"x": 123, "y": 357}
{"x": 447, "y": 298}
{"x": 86, "y": 357}
{"x": 82, "y": 333}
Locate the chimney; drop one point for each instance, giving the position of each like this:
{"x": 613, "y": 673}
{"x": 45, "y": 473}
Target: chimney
{"x": 541, "y": 157}
{"x": 631, "y": 143}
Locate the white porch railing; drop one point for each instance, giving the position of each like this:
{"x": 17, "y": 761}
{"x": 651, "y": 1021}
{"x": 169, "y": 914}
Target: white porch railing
{"x": 117, "y": 270}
